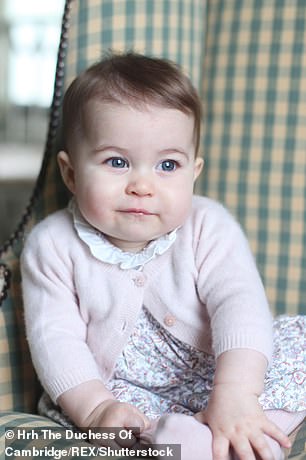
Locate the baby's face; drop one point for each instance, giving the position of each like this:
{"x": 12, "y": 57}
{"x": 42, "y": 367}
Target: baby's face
{"x": 133, "y": 174}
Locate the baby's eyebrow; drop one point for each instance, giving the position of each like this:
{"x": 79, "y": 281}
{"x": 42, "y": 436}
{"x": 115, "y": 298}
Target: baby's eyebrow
{"x": 105, "y": 147}
{"x": 175, "y": 150}
{"x": 120, "y": 150}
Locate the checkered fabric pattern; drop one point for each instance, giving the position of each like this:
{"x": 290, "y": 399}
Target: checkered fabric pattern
{"x": 42, "y": 438}
{"x": 254, "y": 139}
{"x": 171, "y": 29}
{"x": 247, "y": 59}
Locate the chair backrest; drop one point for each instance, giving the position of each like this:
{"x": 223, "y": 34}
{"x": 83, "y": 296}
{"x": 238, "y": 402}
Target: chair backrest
{"x": 172, "y": 29}
{"x": 252, "y": 58}
{"x": 254, "y": 140}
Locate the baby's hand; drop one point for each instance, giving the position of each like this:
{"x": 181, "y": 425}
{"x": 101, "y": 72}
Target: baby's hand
{"x": 114, "y": 414}
{"x": 237, "y": 420}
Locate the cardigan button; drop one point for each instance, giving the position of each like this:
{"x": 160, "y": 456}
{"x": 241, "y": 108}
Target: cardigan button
{"x": 169, "y": 320}
{"x": 139, "y": 281}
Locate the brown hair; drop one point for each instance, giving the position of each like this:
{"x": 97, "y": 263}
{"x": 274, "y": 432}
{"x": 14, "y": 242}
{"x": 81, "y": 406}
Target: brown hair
{"x": 129, "y": 78}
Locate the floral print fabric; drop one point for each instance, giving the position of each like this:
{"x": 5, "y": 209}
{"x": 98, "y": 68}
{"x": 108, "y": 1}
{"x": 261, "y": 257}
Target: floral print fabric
{"x": 285, "y": 382}
{"x": 160, "y": 374}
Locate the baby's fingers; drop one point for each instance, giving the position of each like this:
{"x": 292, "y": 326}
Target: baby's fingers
{"x": 276, "y": 433}
{"x": 264, "y": 443}
{"x": 242, "y": 448}
{"x": 135, "y": 418}
{"x": 261, "y": 447}
{"x": 220, "y": 448}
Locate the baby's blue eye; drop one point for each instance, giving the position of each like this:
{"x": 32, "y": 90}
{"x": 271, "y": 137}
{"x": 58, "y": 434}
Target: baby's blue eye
{"x": 168, "y": 165}
{"x": 117, "y": 162}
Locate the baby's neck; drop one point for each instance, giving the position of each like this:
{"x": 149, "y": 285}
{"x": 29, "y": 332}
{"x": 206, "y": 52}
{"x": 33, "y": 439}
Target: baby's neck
{"x": 128, "y": 246}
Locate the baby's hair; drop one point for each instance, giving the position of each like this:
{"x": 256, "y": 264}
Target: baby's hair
{"x": 133, "y": 79}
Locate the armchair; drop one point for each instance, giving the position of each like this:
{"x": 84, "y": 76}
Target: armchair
{"x": 248, "y": 61}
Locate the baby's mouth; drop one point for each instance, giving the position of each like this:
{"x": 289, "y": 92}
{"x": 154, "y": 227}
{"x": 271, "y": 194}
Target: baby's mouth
{"x": 137, "y": 211}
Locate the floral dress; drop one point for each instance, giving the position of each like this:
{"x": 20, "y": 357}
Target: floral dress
{"x": 160, "y": 374}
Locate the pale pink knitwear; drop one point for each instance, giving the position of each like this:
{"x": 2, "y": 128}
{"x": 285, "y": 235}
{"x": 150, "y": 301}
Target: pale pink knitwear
{"x": 80, "y": 312}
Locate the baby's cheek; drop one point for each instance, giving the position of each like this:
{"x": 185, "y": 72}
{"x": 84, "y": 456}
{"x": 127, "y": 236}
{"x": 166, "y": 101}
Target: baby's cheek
{"x": 182, "y": 210}
{"x": 92, "y": 209}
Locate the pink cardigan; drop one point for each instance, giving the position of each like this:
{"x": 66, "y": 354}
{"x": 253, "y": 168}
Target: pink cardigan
{"x": 79, "y": 311}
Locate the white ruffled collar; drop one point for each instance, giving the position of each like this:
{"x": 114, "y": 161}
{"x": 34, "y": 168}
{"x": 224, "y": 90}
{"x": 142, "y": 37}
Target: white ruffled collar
{"x": 105, "y": 251}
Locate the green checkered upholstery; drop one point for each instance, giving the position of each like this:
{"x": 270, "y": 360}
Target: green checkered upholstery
{"x": 172, "y": 29}
{"x": 254, "y": 140}
{"x": 27, "y": 423}
{"x": 247, "y": 59}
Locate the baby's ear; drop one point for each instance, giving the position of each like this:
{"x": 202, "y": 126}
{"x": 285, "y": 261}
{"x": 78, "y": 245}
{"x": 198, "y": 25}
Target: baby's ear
{"x": 66, "y": 169}
{"x": 198, "y": 166}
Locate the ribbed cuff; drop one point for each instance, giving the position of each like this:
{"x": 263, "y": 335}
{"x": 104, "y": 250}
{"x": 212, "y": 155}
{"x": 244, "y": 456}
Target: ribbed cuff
{"x": 68, "y": 380}
{"x": 245, "y": 340}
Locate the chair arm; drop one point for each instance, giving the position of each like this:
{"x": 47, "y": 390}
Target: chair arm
{"x": 39, "y": 433}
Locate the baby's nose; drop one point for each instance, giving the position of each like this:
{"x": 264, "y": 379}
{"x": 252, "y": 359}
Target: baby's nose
{"x": 141, "y": 185}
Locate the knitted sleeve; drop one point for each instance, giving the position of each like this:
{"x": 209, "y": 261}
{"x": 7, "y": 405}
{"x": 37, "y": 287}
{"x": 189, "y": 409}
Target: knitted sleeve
{"x": 55, "y": 329}
{"x": 230, "y": 286}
